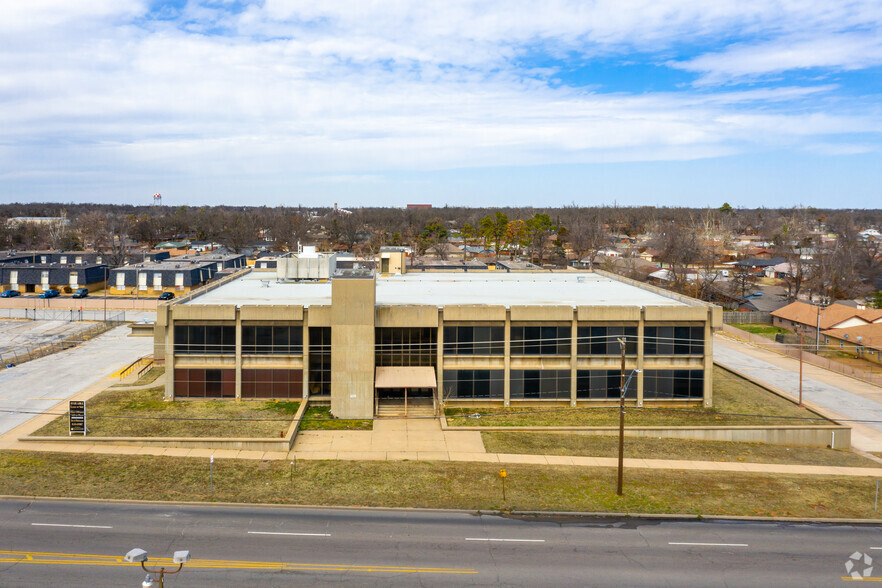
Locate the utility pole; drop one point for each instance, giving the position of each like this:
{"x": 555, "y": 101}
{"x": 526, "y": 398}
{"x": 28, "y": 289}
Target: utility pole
{"x": 621, "y": 474}
{"x": 818, "y": 331}
{"x": 800, "y": 369}
{"x": 106, "y": 286}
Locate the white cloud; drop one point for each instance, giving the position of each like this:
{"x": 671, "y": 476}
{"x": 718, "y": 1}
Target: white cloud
{"x": 843, "y": 51}
{"x": 348, "y": 89}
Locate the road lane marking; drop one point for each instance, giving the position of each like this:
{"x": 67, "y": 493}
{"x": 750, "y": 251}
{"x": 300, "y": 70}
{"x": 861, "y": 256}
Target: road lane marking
{"x": 32, "y": 557}
{"x": 294, "y": 534}
{"x": 506, "y": 540}
{"x": 876, "y": 548}
{"x": 74, "y": 526}
{"x": 710, "y": 544}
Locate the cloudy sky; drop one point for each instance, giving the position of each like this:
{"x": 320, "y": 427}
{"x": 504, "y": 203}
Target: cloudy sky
{"x": 667, "y": 102}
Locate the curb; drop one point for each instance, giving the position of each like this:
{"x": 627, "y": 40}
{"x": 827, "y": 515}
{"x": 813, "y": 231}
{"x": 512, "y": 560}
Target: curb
{"x": 501, "y": 513}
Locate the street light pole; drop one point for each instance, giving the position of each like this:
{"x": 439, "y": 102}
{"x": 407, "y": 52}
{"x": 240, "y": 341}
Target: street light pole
{"x": 624, "y": 383}
{"x": 800, "y": 369}
{"x": 621, "y": 475}
{"x": 106, "y": 285}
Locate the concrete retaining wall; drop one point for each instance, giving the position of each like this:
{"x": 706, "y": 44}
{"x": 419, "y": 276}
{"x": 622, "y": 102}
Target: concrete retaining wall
{"x": 836, "y": 436}
{"x": 249, "y": 443}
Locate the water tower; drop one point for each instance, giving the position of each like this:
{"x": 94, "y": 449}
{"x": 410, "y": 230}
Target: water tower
{"x": 157, "y": 199}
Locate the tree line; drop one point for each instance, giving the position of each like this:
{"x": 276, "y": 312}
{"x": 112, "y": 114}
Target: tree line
{"x": 689, "y": 242}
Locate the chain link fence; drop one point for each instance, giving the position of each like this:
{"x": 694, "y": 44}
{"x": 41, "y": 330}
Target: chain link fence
{"x": 61, "y": 314}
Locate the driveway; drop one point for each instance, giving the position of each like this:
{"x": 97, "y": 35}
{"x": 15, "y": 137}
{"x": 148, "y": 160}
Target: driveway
{"x": 847, "y": 397}
{"x": 38, "y": 385}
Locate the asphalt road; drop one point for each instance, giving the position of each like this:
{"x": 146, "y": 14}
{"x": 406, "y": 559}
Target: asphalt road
{"x": 47, "y": 543}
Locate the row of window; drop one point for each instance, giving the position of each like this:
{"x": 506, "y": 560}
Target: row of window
{"x": 458, "y": 384}
{"x": 266, "y": 340}
{"x": 555, "y": 384}
{"x": 417, "y": 346}
{"x": 474, "y": 340}
{"x": 402, "y": 346}
{"x": 201, "y": 383}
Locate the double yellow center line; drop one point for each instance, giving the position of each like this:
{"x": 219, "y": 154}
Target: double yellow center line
{"x": 82, "y": 559}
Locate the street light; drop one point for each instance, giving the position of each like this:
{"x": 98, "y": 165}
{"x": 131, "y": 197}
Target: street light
{"x": 140, "y": 556}
{"x": 622, "y": 391}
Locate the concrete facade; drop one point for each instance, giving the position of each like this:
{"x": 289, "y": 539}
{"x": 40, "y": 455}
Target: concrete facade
{"x": 561, "y": 350}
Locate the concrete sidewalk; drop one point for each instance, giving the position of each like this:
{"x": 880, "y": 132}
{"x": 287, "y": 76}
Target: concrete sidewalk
{"x": 414, "y": 440}
{"x": 843, "y": 397}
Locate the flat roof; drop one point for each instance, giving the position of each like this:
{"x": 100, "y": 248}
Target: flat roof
{"x": 442, "y": 289}
{"x": 166, "y": 264}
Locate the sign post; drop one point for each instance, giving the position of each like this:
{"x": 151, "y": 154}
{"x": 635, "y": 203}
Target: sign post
{"x": 77, "y": 417}
{"x": 503, "y": 475}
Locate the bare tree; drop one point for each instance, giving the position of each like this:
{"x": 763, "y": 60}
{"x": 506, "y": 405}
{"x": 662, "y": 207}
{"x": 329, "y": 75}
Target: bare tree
{"x": 587, "y": 234}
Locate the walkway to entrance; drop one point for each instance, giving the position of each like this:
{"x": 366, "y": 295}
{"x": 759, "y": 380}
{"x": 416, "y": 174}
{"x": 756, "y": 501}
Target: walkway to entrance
{"x": 390, "y": 439}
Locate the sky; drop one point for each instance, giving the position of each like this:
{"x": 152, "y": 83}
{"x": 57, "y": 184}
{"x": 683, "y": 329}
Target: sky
{"x": 449, "y": 102}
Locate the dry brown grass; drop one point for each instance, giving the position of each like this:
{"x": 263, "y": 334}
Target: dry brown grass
{"x": 434, "y": 485}
{"x": 654, "y": 448}
{"x": 143, "y": 413}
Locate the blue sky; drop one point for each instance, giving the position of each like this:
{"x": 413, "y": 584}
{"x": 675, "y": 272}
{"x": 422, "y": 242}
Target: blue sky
{"x": 460, "y": 102}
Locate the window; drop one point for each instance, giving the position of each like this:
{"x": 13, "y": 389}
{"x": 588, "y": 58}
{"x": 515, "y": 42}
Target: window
{"x": 406, "y": 346}
{"x": 540, "y": 340}
{"x": 605, "y": 340}
{"x": 320, "y": 361}
{"x": 467, "y": 384}
{"x": 673, "y": 384}
{"x": 471, "y": 340}
{"x": 272, "y": 383}
{"x": 205, "y": 339}
{"x": 199, "y": 383}
{"x": 678, "y": 340}
{"x": 542, "y": 384}
{"x": 272, "y": 340}
{"x": 603, "y": 384}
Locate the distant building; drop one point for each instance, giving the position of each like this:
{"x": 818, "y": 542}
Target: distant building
{"x": 17, "y": 221}
{"x": 153, "y": 278}
{"x": 419, "y": 206}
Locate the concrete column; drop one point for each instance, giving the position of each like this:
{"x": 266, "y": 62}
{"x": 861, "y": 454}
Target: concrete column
{"x": 305, "y": 354}
{"x": 353, "y": 310}
{"x": 238, "y": 354}
{"x": 507, "y": 359}
{"x": 574, "y": 354}
{"x": 640, "y": 340}
{"x": 169, "y": 353}
{"x": 440, "y": 369}
{"x": 708, "y": 359}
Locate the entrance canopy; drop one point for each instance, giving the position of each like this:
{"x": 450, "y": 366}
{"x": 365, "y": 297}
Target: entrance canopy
{"x": 405, "y": 377}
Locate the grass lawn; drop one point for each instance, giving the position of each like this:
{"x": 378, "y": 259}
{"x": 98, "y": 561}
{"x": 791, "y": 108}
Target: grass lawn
{"x": 182, "y": 418}
{"x": 654, "y": 448}
{"x": 318, "y": 418}
{"x": 148, "y": 378}
{"x": 732, "y": 394}
{"x": 764, "y": 329}
{"x": 433, "y": 485}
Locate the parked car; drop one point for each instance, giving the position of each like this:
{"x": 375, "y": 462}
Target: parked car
{"x": 81, "y": 293}
{"x": 9, "y": 293}
{"x": 166, "y": 296}
{"x": 51, "y": 293}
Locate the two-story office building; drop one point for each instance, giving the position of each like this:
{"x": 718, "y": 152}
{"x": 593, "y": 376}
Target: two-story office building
{"x": 474, "y": 338}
